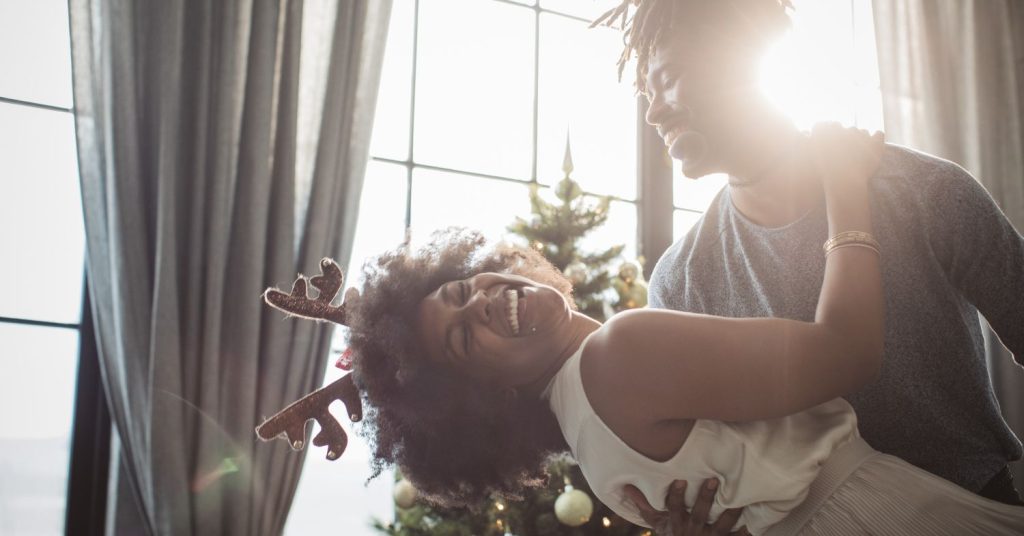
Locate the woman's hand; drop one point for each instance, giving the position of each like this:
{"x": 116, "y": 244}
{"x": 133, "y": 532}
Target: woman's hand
{"x": 844, "y": 155}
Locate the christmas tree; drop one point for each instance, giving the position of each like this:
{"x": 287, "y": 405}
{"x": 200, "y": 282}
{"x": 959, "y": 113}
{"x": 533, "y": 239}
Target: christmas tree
{"x": 556, "y": 229}
{"x": 566, "y": 506}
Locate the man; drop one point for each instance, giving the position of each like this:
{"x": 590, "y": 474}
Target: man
{"x": 948, "y": 252}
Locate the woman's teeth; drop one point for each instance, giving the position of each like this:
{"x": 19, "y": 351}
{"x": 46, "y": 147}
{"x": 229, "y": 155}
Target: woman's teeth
{"x": 512, "y": 298}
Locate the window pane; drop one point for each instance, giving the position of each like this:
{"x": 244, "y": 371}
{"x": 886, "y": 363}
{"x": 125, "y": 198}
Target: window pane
{"x": 381, "y": 215}
{"x": 695, "y": 194}
{"x": 620, "y": 228}
{"x": 338, "y": 487}
{"x": 588, "y": 9}
{"x": 392, "y": 120}
{"x": 39, "y": 367}
{"x": 41, "y": 223}
{"x": 682, "y": 222}
{"x": 869, "y": 109}
{"x": 325, "y": 485}
{"x": 579, "y": 90}
{"x": 441, "y": 199}
{"x": 474, "y": 86}
{"x": 864, "y": 45}
{"x": 816, "y": 73}
{"x": 35, "y": 51}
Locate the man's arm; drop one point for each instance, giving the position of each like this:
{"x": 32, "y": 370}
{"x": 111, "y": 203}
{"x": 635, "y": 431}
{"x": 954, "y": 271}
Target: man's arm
{"x": 679, "y": 364}
{"x": 982, "y": 253}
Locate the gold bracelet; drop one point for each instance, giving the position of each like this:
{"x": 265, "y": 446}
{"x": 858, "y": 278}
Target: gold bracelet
{"x": 852, "y": 242}
{"x": 850, "y": 237}
{"x": 844, "y": 241}
{"x": 854, "y": 245}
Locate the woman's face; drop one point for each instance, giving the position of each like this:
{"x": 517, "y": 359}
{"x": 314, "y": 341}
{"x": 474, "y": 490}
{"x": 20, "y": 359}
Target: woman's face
{"x": 495, "y": 327}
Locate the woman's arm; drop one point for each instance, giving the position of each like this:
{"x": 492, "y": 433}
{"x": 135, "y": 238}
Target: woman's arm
{"x": 684, "y": 366}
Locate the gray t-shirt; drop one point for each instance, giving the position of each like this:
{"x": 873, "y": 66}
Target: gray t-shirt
{"x": 948, "y": 252}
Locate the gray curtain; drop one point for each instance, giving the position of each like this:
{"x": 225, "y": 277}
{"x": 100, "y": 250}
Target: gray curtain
{"x": 952, "y": 75}
{"x": 222, "y": 146}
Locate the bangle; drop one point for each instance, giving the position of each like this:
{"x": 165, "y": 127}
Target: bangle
{"x": 854, "y": 245}
{"x": 851, "y": 237}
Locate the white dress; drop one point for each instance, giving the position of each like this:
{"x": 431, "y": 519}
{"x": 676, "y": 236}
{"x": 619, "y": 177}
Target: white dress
{"x": 806, "y": 473}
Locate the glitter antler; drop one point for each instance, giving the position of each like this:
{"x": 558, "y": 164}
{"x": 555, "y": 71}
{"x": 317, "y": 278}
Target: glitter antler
{"x": 291, "y": 421}
{"x": 298, "y": 302}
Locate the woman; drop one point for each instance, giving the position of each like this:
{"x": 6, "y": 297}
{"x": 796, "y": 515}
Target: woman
{"x": 476, "y": 369}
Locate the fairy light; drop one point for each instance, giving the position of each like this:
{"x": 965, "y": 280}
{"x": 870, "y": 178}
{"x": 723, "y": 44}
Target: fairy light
{"x": 606, "y": 522}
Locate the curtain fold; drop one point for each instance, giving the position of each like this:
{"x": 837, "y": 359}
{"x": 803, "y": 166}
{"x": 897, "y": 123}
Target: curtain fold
{"x": 952, "y": 81}
{"x": 222, "y": 147}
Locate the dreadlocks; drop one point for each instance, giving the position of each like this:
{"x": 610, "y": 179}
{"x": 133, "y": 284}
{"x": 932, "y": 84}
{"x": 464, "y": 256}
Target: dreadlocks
{"x": 653, "y": 19}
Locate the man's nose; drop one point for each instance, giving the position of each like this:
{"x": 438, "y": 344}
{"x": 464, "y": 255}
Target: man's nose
{"x": 655, "y": 110}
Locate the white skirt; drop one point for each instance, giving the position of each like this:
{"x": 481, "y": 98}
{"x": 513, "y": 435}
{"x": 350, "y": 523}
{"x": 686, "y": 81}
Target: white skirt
{"x": 861, "y": 491}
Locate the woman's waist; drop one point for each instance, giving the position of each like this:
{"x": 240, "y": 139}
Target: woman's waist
{"x": 766, "y": 496}
{"x": 765, "y": 467}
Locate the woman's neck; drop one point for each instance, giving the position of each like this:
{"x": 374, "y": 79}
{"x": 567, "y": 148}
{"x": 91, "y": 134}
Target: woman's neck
{"x": 579, "y": 328}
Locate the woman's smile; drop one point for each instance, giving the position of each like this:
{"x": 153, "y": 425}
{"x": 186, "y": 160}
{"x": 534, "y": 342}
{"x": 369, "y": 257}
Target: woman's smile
{"x": 510, "y": 303}
{"x": 489, "y": 323}
{"x": 512, "y": 310}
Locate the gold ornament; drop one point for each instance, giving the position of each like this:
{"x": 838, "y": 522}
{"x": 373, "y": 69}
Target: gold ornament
{"x": 630, "y": 286}
{"x": 577, "y": 273}
{"x": 405, "y": 494}
{"x": 573, "y": 507}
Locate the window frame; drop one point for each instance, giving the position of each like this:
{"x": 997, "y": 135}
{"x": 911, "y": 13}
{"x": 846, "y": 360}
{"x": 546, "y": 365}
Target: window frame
{"x": 86, "y": 490}
{"x": 654, "y": 181}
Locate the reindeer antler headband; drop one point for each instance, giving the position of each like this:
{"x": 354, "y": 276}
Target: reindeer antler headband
{"x": 290, "y": 423}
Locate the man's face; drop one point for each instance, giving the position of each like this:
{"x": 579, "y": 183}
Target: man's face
{"x": 700, "y": 93}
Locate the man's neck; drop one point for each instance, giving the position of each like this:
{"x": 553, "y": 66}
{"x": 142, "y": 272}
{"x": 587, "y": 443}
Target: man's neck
{"x": 777, "y": 186}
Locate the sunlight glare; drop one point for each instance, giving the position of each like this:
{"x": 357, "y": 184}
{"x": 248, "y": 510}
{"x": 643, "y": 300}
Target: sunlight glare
{"x": 801, "y": 81}
{"x": 824, "y": 68}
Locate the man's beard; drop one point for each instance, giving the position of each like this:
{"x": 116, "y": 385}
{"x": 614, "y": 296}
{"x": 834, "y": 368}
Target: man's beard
{"x": 744, "y": 182}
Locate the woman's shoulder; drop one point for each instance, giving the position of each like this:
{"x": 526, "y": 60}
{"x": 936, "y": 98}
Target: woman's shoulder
{"x": 612, "y": 350}
{"x": 608, "y": 368}
{"x": 644, "y": 337}
{"x": 613, "y": 378}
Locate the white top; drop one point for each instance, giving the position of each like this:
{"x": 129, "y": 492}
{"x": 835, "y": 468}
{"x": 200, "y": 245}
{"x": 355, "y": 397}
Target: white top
{"x": 765, "y": 466}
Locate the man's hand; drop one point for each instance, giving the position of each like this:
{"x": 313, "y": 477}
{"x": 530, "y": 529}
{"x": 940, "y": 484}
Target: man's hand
{"x": 677, "y": 521}
{"x": 845, "y": 154}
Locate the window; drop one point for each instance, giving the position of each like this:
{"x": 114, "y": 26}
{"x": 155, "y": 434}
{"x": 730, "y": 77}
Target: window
{"x": 467, "y": 111}
{"x": 42, "y": 237}
{"x": 476, "y": 100}
{"x": 825, "y": 69}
